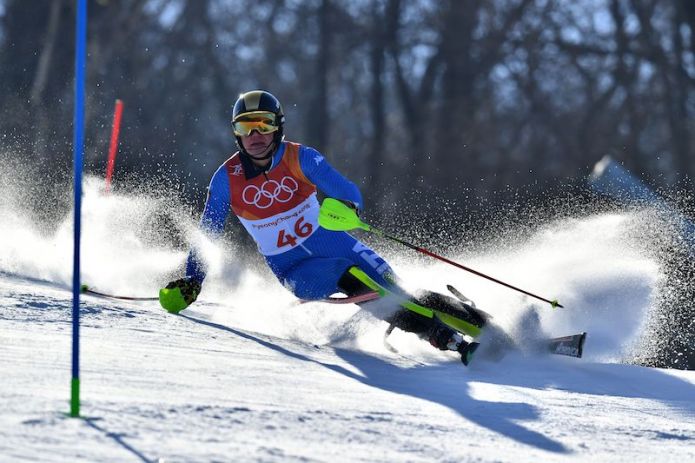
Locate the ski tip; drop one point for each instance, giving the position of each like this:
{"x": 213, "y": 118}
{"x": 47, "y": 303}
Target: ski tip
{"x": 571, "y": 346}
{"x": 580, "y": 348}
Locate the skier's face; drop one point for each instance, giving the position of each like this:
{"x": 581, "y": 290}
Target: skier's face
{"x": 257, "y": 144}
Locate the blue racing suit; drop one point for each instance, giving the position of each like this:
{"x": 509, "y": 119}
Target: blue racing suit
{"x": 279, "y": 208}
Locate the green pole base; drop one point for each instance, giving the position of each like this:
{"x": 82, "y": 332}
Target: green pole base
{"x": 75, "y": 397}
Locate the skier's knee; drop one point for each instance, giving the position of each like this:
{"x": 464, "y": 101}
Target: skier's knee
{"x": 350, "y": 284}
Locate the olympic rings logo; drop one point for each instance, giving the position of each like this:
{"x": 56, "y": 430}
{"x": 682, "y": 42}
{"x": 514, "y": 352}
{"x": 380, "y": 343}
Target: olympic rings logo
{"x": 269, "y": 192}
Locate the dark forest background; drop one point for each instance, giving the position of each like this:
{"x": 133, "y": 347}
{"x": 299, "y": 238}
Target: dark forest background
{"x": 457, "y": 99}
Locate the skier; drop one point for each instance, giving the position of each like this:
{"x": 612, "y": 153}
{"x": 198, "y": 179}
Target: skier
{"x": 270, "y": 185}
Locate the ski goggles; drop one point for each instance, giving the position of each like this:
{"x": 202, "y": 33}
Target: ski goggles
{"x": 264, "y": 122}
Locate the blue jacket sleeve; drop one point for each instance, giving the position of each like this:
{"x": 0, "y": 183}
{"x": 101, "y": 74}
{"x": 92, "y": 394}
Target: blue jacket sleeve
{"x": 214, "y": 216}
{"x": 326, "y": 178}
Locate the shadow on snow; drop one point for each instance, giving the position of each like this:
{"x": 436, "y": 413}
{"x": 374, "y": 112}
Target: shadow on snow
{"x": 442, "y": 387}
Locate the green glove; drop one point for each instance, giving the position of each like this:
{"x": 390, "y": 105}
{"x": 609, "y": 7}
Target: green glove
{"x": 179, "y": 294}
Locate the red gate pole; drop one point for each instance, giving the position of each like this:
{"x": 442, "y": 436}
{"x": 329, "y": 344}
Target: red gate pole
{"x": 113, "y": 146}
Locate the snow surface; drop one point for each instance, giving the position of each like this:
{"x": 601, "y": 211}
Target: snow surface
{"x": 247, "y": 374}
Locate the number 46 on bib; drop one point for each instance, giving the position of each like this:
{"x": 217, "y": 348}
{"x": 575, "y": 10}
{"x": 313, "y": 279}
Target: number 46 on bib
{"x": 302, "y": 229}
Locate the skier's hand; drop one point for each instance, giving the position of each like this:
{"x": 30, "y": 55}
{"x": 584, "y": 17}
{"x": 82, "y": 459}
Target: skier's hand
{"x": 179, "y": 294}
{"x": 351, "y": 205}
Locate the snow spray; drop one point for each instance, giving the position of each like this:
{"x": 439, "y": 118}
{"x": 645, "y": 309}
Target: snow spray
{"x": 605, "y": 264}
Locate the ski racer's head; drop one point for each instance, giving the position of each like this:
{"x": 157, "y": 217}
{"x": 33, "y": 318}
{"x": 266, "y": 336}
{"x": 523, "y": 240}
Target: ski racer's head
{"x": 258, "y": 122}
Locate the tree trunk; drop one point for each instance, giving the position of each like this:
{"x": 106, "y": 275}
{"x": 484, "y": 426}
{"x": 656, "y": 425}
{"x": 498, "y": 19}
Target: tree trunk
{"x": 318, "y": 126}
{"x": 41, "y": 118}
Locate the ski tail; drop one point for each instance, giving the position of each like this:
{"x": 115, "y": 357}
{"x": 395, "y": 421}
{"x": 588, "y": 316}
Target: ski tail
{"x": 572, "y": 346}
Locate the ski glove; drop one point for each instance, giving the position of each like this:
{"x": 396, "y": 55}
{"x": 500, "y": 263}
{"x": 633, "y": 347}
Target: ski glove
{"x": 179, "y": 294}
{"x": 351, "y": 205}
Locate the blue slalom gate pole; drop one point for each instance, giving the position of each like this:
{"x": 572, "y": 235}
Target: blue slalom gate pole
{"x": 78, "y": 154}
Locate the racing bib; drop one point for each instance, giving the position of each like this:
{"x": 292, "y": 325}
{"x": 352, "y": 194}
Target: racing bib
{"x": 279, "y": 209}
{"x": 282, "y": 232}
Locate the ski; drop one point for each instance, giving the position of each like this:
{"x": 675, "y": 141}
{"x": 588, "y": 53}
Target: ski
{"x": 572, "y": 346}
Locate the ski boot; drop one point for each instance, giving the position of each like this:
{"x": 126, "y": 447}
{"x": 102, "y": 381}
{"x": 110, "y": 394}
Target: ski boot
{"x": 444, "y": 338}
{"x": 467, "y": 349}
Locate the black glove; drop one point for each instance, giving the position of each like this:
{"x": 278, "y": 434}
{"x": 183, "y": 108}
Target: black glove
{"x": 189, "y": 288}
{"x": 351, "y": 205}
{"x": 175, "y": 301}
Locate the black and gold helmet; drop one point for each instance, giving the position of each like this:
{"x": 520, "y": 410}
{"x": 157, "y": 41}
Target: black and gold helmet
{"x": 258, "y": 103}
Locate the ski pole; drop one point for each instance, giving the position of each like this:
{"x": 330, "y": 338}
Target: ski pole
{"x": 335, "y": 215}
{"x": 86, "y": 290}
